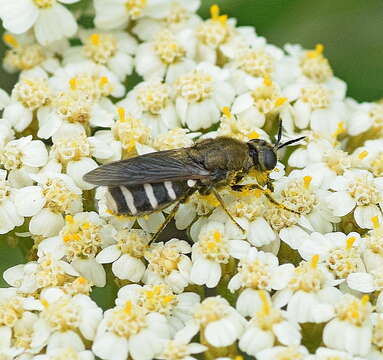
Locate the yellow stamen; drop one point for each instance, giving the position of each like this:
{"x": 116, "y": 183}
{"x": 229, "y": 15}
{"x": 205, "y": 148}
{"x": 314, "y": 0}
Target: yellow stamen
{"x": 258, "y": 193}
{"x": 44, "y": 303}
{"x": 340, "y": 130}
{"x": 73, "y": 83}
{"x": 238, "y": 357}
{"x": 362, "y": 155}
{"x": 314, "y": 261}
{"x": 69, "y": 219}
{"x": 95, "y": 39}
{"x": 365, "y": 299}
{"x": 217, "y": 236}
{"x": 82, "y": 280}
{"x": 121, "y": 113}
{"x": 128, "y": 307}
{"x": 85, "y": 226}
{"x": 10, "y": 40}
{"x": 226, "y": 111}
{"x": 253, "y": 135}
{"x": 280, "y": 101}
{"x": 67, "y": 238}
{"x": 214, "y": 11}
{"x": 267, "y": 81}
{"x": 265, "y": 301}
{"x": 167, "y": 299}
{"x": 103, "y": 80}
{"x": 307, "y": 181}
{"x": 375, "y": 221}
{"x": 314, "y": 53}
{"x": 349, "y": 242}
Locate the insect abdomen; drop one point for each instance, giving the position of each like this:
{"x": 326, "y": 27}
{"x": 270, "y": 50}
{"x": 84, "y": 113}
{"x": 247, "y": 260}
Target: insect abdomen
{"x": 146, "y": 198}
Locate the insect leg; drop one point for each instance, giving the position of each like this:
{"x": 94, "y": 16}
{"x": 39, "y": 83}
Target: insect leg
{"x": 220, "y": 200}
{"x": 266, "y": 192}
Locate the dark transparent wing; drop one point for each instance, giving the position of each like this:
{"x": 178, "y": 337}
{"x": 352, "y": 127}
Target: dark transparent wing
{"x": 170, "y": 165}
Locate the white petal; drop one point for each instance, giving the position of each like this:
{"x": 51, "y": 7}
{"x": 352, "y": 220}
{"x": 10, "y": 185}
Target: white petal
{"x": 77, "y": 169}
{"x": 109, "y": 254}
{"x": 128, "y": 268}
{"x": 18, "y": 116}
{"x": 364, "y": 214}
{"x": 29, "y": 200}
{"x": 260, "y": 233}
{"x": 341, "y": 203}
{"x": 205, "y": 272}
{"x": 46, "y": 223}
{"x": 287, "y": 333}
{"x": 18, "y": 15}
{"x": 91, "y": 270}
{"x": 35, "y": 154}
{"x": 221, "y": 333}
{"x": 9, "y": 217}
{"x": 363, "y": 282}
{"x": 110, "y": 347}
{"x": 254, "y": 340}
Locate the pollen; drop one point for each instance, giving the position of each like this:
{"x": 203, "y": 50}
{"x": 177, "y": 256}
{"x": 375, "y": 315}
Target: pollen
{"x": 80, "y": 285}
{"x": 195, "y": 86}
{"x": 353, "y": 310}
{"x": 214, "y": 246}
{"x": 11, "y": 157}
{"x": 254, "y": 274}
{"x": 280, "y": 218}
{"x": 133, "y": 242}
{"x": 173, "y": 139}
{"x": 253, "y": 135}
{"x": 375, "y": 222}
{"x": 22, "y": 57}
{"x": 59, "y": 198}
{"x": 62, "y": 314}
{"x": 50, "y": 273}
{"x": 72, "y": 148}
{"x": 307, "y": 276}
{"x": 268, "y": 316}
{"x": 100, "y": 47}
{"x": 315, "y": 66}
{"x": 44, "y": 4}
{"x": 11, "y": 310}
{"x": 153, "y": 96}
{"x": 81, "y": 238}
{"x": 317, "y": 96}
{"x": 126, "y": 320}
{"x": 163, "y": 259}
{"x": 337, "y": 160}
{"x": 211, "y": 309}
{"x": 158, "y": 298}
{"x": 226, "y": 111}
{"x": 32, "y": 93}
{"x": 265, "y": 97}
{"x": 215, "y": 31}
{"x": 256, "y": 63}
{"x": 167, "y": 48}
{"x": 362, "y": 154}
{"x": 75, "y": 106}
{"x": 135, "y": 8}
{"x": 299, "y": 196}
{"x": 364, "y": 191}
{"x": 130, "y": 131}
{"x": 341, "y": 129}
{"x": 10, "y": 40}
{"x": 344, "y": 261}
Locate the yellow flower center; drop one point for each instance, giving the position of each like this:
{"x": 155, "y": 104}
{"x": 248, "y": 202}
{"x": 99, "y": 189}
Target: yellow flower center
{"x": 254, "y": 274}
{"x": 364, "y": 191}
{"x": 11, "y": 311}
{"x": 354, "y": 310}
{"x": 255, "y": 62}
{"x": 72, "y": 148}
{"x": 173, "y": 139}
{"x": 32, "y": 93}
{"x": 62, "y": 315}
{"x": 44, "y": 4}
{"x": 317, "y": 96}
{"x": 279, "y": 218}
{"x": 337, "y": 160}
{"x": 11, "y": 157}
{"x": 214, "y": 246}
{"x": 163, "y": 259}
{"x": 175, "y": 351}
{"x": 307, "y": 276}
{"x": 195, "y": 86}
{"x": 210, "y": 309}
{"x": 158, "y": 298}
{"x": 315, "y": 66}
{"x": 59, "y": 197}
{"x": 167, "y": 48}
{"x": 126, "y": 320}
{"x": 133, "y": 242}
{"x": 267, "y": 97}
{"x": 153, "y": 96}
{"x": 135, "y": 7}
{"x": 100, "y": 47}
{"x": 268, "y": 316}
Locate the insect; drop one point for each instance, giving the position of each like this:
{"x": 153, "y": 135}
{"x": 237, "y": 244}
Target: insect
{"x": 151, "y": 182}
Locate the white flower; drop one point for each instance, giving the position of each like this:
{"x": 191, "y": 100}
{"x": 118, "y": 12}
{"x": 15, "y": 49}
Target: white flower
{"x": 258, "y": 270}
{"x": 51, "y": 21}
{"x": 341, "y": 253}
{"x": 30, "y": 94}
{"x": 222, "y": 325}
{"x": 151, "y": 102}
{"x": 168, "y": 56}
{"x": 9, "y": 217}
{"x": 168, "y": 264}
{"x": 200, "y": 94}
{"x": 310, "y": 294}
{"x": 373, "y": 254}
{"x": 126, "y": 254}
{"x": 63, "y": 318}
{"x": 111, "y": 49}
{"x": 369, "y": 157}
{"x": 360, "y": 192}
{"x": 267, "y": 326}
{"x": 177, "y": 308}
{"x": 363, "y": 117}
{"x": 287, "y": 352}
{"x": 46, "y": 202}
{"x": 129, "y": 329}
{"x": 323, "y": 353}
{"x": 213, "y": 248}
{"x": 67, "y": 350}
{"x": 352, "y": 318}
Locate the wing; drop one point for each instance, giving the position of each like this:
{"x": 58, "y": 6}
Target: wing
{"x": 170, "y": 165}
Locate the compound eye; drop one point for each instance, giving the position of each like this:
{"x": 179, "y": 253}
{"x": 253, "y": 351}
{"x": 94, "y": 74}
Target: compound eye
{"x": 269, "y": 160}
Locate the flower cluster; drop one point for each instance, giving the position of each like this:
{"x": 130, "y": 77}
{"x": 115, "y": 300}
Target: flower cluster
{"x": 303, "y": 280}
